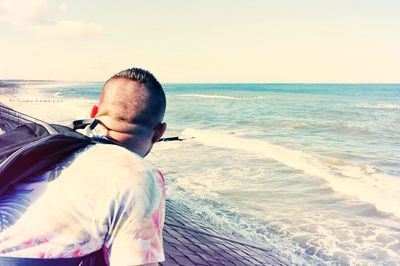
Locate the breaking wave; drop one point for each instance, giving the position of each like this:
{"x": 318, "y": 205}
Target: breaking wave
{"x": 387, "y": 106}
{"x": 364, "y": 182}
{"x": 221, "y": 97}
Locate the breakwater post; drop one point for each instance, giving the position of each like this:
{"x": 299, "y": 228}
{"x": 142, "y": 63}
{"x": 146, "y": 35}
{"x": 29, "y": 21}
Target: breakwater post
{"x": 36, "y": 100}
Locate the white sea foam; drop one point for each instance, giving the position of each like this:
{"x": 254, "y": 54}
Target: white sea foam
{"x": 47, "y": 85}
{"x": 388, "y": 106}
{"x": 364, "y": 182}
{"x": 221, "y": 97}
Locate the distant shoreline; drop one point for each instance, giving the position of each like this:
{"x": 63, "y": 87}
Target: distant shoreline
{"x": 8, "y": 84}
{"x": 8, "y": 88}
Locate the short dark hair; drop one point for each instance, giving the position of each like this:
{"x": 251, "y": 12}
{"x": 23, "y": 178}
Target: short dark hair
{"x": 141, "y": 76}
{"x": 156, "y": 105}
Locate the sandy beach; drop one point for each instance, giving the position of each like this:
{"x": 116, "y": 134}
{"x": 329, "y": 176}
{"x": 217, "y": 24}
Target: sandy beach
{"x": 27, "y": 97}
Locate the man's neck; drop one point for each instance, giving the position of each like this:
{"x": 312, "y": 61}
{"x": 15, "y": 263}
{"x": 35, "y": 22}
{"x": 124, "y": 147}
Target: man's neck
{"x": 137, "y": 143}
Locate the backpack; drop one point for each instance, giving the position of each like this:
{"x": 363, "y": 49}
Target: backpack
{"x": 20, "y": 150}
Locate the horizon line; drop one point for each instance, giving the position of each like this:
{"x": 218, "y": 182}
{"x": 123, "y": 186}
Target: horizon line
{"x": 205, "y": 83}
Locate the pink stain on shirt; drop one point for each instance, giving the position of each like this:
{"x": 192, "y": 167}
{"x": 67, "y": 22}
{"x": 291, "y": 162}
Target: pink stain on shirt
{"x": 27, "y": 243}
{"x": 76, "y": 252}
{"x": 155, "y": 217}
{"x": 149, "y": 256}
{"x": 42, "y": 241}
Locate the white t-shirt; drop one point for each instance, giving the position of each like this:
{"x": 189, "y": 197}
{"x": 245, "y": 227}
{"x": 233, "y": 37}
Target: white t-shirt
{"x": 106, "y": 197}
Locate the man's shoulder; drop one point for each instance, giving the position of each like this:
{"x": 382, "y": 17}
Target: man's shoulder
{"x": 108, "y": 153}
{"x": 108, "y": 162}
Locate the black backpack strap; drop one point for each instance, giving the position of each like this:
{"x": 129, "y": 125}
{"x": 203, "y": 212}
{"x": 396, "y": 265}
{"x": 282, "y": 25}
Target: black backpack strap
{"x": 10, "y": 261}
{"x": 80, "y": 124}
{"x": 93, "y": 259}
{"x": 89, "y": 124}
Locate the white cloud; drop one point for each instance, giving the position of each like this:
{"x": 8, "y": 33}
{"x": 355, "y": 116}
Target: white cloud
{"x": 22, "y": 12}
{"x": 39, "y": 16}
{"x": 69, "y": 29}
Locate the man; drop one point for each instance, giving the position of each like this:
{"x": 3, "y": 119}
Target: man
{"x": 103, "y": 197}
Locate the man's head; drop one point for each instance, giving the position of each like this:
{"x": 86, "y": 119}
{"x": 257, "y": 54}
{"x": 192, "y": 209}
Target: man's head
{"x": 131, "y": 108}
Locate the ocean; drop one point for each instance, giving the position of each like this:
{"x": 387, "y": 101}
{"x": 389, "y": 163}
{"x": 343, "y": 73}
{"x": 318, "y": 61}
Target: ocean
{"x": 309, "y": 170}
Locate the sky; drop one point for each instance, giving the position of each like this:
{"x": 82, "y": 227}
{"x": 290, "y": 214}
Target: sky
{"x": 203, "y": 41}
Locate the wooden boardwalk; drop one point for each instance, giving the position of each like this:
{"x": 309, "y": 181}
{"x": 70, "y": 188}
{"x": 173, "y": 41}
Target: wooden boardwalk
{"x": 189, "y": 240}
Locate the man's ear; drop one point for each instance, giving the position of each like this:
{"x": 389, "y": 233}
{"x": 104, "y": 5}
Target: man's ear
{"x": 159, "y": 130}
{"x": 94, "y": 111}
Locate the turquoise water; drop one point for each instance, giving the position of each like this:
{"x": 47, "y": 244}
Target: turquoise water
{"x": 311, "y": 170}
